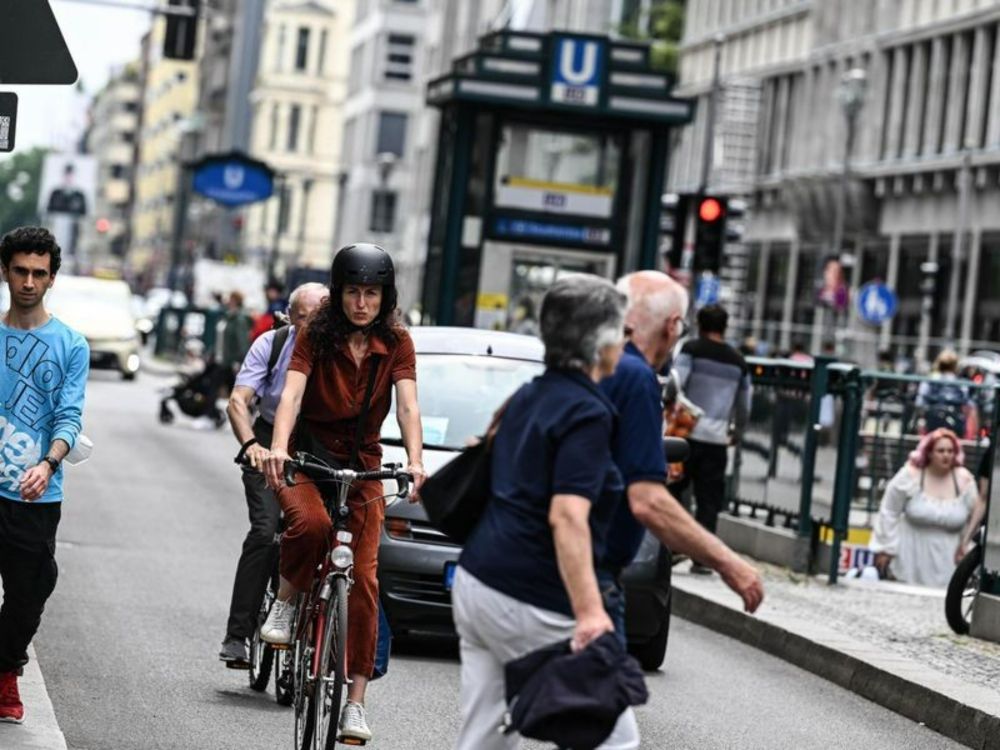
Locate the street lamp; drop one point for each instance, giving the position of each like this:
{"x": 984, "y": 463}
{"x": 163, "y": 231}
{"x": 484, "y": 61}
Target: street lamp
{"x": 851, "y": 95}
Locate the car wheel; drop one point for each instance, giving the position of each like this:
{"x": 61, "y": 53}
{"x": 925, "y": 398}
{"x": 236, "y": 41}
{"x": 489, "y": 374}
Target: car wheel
{"x": 651, "y": 653}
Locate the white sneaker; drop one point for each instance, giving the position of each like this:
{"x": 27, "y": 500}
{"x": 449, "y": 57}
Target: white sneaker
{"x": 353, "y": 725}
{"x": 277, "y": 628}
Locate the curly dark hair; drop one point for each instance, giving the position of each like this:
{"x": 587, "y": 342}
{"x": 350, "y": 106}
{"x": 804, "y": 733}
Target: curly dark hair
{"x": 37, "y": 240}
{"x": 329, "y": 327}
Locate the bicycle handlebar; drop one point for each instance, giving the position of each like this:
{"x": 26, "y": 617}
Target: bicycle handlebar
{"x": 300, "y": 462}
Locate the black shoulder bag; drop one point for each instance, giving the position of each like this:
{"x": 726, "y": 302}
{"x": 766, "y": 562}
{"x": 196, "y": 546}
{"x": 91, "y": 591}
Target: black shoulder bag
{"x": 457, "y": 494}
{"x": 305, "y": 441}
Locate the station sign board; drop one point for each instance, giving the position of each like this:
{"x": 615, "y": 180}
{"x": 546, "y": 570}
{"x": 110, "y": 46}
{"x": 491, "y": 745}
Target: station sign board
{"x": 578, "y": 66}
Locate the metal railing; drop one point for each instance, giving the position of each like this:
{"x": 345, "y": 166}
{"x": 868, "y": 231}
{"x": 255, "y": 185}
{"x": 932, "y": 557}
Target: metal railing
{"x": 824, "y": 438}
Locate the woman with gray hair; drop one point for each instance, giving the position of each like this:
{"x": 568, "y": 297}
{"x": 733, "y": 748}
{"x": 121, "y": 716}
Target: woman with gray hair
{"x": 526, "y": 576}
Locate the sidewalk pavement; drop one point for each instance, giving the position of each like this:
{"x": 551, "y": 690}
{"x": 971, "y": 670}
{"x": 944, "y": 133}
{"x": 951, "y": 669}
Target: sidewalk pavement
{"x": 888, "y": 642}
{"x": 40, "y": 730}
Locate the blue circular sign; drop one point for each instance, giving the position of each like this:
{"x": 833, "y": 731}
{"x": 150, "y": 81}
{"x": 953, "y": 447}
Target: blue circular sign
{"x": 233, "y": 180}
{"x": 877, "y": 303}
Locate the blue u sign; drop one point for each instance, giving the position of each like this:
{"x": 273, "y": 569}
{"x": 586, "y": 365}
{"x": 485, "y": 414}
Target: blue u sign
{"x": 233, "y": 180}
{"x": 577, "y": 71}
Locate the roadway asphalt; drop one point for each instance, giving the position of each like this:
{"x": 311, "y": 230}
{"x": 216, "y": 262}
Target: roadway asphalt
{"x": 150, "y": 535}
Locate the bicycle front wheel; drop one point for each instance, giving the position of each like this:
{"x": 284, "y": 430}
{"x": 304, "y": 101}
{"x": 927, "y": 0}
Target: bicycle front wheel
{"x": 333, "y": 670}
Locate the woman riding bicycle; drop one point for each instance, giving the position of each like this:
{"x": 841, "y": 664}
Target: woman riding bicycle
{"x": 354, "y": 330}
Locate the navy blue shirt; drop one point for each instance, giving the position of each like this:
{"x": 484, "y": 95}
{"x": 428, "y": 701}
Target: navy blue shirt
{"x": 554, "y": 439}
{"x": 638, "y": 447}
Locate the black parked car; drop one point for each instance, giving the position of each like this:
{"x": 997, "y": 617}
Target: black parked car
{"x": 464, "y": 375}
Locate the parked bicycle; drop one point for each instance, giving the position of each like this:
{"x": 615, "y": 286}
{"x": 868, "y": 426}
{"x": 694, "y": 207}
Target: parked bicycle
{"x": 319, "y": 635}
{"x": 960, "y": 598}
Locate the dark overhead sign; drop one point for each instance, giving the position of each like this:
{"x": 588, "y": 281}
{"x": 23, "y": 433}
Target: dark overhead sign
{"x": 233, "y": 179}
{"x": 32, "y": 48}
{"x": 8, "y": 120}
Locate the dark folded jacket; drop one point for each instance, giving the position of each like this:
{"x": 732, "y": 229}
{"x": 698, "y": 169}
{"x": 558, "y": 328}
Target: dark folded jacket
{"x": 572, "y": 699}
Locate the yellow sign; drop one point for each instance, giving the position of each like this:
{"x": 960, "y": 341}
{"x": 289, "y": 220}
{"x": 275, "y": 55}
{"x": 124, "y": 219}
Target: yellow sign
{"x": 492, "y": 301}
{"x": 558, "y": 187}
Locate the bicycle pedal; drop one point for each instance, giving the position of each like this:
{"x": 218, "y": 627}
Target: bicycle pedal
{"x": 242, "y": 665}
{"x": 353, "y": 741}
{"x": 279, "y": 646}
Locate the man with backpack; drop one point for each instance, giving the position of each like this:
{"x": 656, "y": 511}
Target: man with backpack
{"x": 944, "y": 401}
{"x": 259, "y": 384}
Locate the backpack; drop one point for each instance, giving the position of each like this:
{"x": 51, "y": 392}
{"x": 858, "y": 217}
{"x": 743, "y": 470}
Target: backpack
{"x": 277, "y": 344}
{"x": 943, "y": 407}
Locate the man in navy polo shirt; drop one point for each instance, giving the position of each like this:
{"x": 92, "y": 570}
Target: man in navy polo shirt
{"x": 655, "y": 317}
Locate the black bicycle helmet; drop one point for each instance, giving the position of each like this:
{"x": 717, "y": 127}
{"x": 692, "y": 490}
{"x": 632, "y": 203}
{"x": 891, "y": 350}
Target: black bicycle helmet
{"x": 362, "y": 263}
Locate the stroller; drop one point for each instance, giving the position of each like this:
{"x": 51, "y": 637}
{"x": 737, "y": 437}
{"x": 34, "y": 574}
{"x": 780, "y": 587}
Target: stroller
{"x": 198, "y": 390}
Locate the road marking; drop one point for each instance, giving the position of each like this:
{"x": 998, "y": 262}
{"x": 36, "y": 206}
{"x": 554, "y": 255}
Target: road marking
{"x": 40, "y": 730}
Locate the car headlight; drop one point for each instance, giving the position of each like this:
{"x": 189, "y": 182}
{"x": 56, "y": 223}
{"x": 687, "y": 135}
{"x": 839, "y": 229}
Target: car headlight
{"x": 132, "y": 363}
{"x": 342, "y": 557}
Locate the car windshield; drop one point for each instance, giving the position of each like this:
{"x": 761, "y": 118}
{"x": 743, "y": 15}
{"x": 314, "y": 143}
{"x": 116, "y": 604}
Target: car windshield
{"x": 74, "y": 304}
{"x": 459, "y": 394}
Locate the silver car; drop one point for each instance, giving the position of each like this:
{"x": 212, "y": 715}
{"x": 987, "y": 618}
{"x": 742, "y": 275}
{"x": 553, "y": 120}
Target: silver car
{"x": 463, "y": 376}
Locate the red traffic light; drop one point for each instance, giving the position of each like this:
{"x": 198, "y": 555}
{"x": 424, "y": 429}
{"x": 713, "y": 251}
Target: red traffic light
{"x": 710, "y": 209}
{"x": 103, "y": 225}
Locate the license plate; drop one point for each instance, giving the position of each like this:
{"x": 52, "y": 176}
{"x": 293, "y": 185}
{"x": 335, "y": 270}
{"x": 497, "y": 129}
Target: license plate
{"x": 449, "y": 575}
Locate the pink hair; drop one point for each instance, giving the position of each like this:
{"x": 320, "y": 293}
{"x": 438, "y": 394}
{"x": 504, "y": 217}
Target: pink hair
{"x": 922, "y": 455}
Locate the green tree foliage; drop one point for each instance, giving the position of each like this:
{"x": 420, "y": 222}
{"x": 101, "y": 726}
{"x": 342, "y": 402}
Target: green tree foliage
{"x": 20, "y": 176}
{"x": 666, "y": 26}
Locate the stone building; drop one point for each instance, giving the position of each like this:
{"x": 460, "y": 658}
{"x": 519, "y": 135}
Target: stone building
{"x": 924, "y": 165}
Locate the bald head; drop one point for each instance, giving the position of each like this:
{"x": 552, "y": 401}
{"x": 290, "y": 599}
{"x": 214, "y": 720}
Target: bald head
{"x": 656, "y": 304}
{"x": 305, "y": 299}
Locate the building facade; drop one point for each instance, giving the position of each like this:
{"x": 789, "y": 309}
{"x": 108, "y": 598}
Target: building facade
{"x": 297, "y": 128}
{"x": 169, "y": 100}
{"x": 923, "y": 164}
{"x": 227, "y": 71}
{"x": 389, "y": 55}
{"x": 112, "y": 139}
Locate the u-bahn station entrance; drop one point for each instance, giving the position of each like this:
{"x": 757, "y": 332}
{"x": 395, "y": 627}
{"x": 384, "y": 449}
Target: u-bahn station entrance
{"x": 552, "y": 155}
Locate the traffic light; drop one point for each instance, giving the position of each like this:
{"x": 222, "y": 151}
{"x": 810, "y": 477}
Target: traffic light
{"x": 181, "y": 35}
{"x": 673, "y": 220}
{"x": 710, "y": 232}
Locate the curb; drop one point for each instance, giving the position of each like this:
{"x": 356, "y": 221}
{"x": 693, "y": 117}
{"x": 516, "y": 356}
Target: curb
{"x": 965, "y": 713}
{"x": 40, "y": 730}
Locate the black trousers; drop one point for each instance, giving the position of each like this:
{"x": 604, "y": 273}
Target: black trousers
{"x": 705, "y": 470}
{"x": 260, "y": 548}
{"x": 28, "y": 571}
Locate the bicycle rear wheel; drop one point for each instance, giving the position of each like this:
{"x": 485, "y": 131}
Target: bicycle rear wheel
{"x": 261, "y": 653}
{"x": 333, "y": 670}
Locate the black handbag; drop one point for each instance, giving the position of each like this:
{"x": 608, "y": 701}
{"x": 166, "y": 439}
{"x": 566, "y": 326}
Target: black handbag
{"x": 457, "y": 494}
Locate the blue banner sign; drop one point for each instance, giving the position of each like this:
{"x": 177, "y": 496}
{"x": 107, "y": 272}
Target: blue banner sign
{"x": 541, "y": 230}
{"x": 233, "y": 180}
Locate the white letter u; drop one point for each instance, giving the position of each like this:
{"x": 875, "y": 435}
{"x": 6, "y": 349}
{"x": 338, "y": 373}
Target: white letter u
{"x": 588, "y": 66}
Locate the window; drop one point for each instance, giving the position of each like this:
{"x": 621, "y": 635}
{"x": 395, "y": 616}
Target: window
{"x": 272, "y": 140}
{"x": 383, "y": 211}
{"x": 321, "y": 53}
{"x": 314, "y": 117}
{"x": 399, "y": 57}
{"x": 294, "y": 117}
{"x": 284, "y": 208}
{"x": 279, "y": 57}
{"x": 118, "y": 171}
{"x": 302, "y": 49}
{"x": 391, "y": 133}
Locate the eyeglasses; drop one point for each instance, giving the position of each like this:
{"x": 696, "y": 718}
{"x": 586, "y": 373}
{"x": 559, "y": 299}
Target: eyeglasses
{"x": 685, "y": 328}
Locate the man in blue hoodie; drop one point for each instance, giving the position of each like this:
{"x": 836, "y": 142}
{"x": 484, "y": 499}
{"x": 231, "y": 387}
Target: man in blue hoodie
{"x": 41, "y": 405}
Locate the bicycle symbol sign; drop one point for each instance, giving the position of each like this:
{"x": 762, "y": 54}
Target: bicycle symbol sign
{"x": 877, "y": 303}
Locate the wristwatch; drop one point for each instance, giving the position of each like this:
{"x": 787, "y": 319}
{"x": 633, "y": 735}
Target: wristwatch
{"x": 53, "y": 464}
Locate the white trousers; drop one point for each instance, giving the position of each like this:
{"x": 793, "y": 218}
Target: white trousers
{"x": 494, "y": 629}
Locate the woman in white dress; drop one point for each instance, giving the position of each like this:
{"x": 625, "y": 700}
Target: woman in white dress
{"x": 925, "y": 507}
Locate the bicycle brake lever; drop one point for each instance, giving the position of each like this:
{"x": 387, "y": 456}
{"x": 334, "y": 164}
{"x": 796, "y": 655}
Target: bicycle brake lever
{"x": 289, "y": 472}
